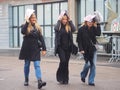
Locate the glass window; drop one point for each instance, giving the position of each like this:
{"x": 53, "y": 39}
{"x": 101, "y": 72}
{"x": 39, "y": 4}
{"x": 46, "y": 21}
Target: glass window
{"x": 89, "y": 6}
{"x": 47, "y": 31}
{"x": 15, "y": 37}
{"x": 20, "y": 37}
{"x": 53, "y": 36}
{"x": 48, "y": 36}
{"x": 82, "y": 10}
{"x": 113, "y": 4}
{"x": 100, "y": 6}
{"x": 118, "y": 7}
{"x": 15, "y": 16}
{"x": 40, "y": 14}
{"x": 11, "y": 37}
{"x": 21, "y": 15}
{"x": 47, "y": 14}
{"x": 55, "y": 12}
{"x": 28, "y": 6}
{"x": 64, "y": 6}
{"x": 21, "y": 21}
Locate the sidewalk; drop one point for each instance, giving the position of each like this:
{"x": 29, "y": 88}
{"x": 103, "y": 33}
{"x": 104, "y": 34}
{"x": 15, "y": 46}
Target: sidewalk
{"x": 11, "y": 75}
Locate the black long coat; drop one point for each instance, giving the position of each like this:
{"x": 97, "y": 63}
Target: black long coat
{"x": 86, "y": 40}
{"x": 58, "y": 36}
{"x": 30, "y": 49}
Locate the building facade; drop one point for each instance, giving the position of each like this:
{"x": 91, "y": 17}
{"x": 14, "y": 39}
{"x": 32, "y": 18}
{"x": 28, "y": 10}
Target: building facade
{"x": 12, "y": 16}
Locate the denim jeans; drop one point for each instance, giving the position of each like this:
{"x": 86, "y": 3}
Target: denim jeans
{"x": 36, "y": 66}
{"x": 92, "y": 68}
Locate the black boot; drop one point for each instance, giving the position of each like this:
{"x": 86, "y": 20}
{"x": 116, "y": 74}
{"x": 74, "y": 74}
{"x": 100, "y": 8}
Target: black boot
{"x": 41, "y": 83}
{"x": 26, "y": 82}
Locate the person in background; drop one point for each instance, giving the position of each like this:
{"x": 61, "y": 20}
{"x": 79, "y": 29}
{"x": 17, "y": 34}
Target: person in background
{"x": 86, "y": 39}
{"x": 30, "y": 50}
{"x": 63, "y": 42}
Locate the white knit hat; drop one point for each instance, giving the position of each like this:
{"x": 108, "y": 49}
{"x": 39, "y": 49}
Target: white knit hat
{"x": 28, "y": 13}
{"x": 89, "y": 18}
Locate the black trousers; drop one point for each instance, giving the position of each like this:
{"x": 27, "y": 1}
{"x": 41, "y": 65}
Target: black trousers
{"x": 63, "y": 69}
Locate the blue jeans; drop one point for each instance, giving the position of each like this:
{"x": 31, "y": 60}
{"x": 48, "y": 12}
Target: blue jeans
{"x": 36, "y": 66}
{"x": 92, "y": 69}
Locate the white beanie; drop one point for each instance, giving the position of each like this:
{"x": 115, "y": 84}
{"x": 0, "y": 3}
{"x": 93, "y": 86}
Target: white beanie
{"x": 28, "y": 13}
{"x": 89, "y": 18}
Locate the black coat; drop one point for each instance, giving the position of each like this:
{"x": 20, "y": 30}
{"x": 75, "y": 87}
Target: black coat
{"x": 58, "y": 31}
{"x": 86, "y": 40}
{"x": 30, "y": 49}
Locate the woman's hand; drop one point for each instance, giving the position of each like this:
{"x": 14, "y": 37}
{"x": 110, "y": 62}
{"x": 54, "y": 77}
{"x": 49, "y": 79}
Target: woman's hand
{"x": 43, "y": 53}
{"x": 95, "y": 24}
{"x": 82, "y": 52}
{"x": 27, "y": 19}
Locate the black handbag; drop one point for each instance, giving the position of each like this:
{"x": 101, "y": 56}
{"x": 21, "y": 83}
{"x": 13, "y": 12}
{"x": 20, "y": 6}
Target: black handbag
{"x": 39, "y": 43}
{"x": 74, "y": 49}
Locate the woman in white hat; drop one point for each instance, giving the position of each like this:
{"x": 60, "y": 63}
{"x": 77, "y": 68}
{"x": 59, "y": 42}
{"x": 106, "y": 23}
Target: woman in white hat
{"x": 86, "y": 39}
{"x": 33, "y": 43}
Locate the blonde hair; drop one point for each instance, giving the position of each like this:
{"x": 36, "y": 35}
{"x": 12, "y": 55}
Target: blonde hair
{"x": 84, "y": 23}
{"x": 67, "y": 26}
{"x": 37, "y": 26}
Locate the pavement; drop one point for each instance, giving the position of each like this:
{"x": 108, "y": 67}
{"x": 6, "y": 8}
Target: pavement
{"x": 12, "y": 78}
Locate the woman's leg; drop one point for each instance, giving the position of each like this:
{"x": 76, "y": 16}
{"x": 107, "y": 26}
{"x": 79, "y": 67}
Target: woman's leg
{"x": 26, "y": 72}
{"x": 37, "y": 69}
{"x": 93, "y": 70}
{"x": 66, "y": 75}
{"x": 85, "y": 71}
{"x": 38, "y": 74}
{"x": 61, "y": 69}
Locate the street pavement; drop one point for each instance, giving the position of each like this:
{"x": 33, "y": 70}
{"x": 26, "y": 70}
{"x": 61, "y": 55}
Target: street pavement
{"x": 12, "y": 77}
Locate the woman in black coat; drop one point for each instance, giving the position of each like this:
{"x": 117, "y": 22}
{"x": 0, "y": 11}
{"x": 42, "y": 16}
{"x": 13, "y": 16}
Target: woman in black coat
{"x": 30, "y": 50}
{"x": 86, "y": 39}
{"x": 63, "y": 43}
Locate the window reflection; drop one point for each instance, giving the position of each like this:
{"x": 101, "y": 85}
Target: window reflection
{"x": 15, "y": 35}
{"x": 64, "y": 6}
{"x": 55, "y": 12}
{"x": 89, "y": 6}
{"x": 15, "y": 16}
{"x": 48, "y": 14}
{"x": 48, "y": 36}
{"x": 40, "y": 14}
{"x": 21, "y": 15}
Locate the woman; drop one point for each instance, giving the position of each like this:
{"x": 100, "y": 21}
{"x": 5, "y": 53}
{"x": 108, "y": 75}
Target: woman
{"x": 63, "y": 43}
{"x": 86, "y": 39}
{"x": 30, "y": 50}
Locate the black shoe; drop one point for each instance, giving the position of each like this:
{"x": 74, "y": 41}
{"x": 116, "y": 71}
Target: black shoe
{"x": 61, "y": 82}
{"x": 91, "y": 84}
{"x": 26, "y": 81}
{"x": 26, "y": 84}
{"x": 83, "y": 80}
{"x": 41, "y": 84}
{"x": 65, "y": 82}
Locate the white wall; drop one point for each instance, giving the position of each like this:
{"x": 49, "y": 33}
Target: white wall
{"x": 4, "y": 26}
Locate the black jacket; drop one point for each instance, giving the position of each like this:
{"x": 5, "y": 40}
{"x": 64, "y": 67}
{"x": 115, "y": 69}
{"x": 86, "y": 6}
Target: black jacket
{"x": 86, "y": 40}
{"x": 58, "y": 34}
{"x": 30, "y": 49}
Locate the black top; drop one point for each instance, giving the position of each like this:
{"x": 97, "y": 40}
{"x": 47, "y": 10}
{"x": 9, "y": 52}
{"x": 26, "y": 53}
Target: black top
{"x": 63, "y": 39}
{"x": 30, "y": 49}
{"x": 86, "y": 38}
